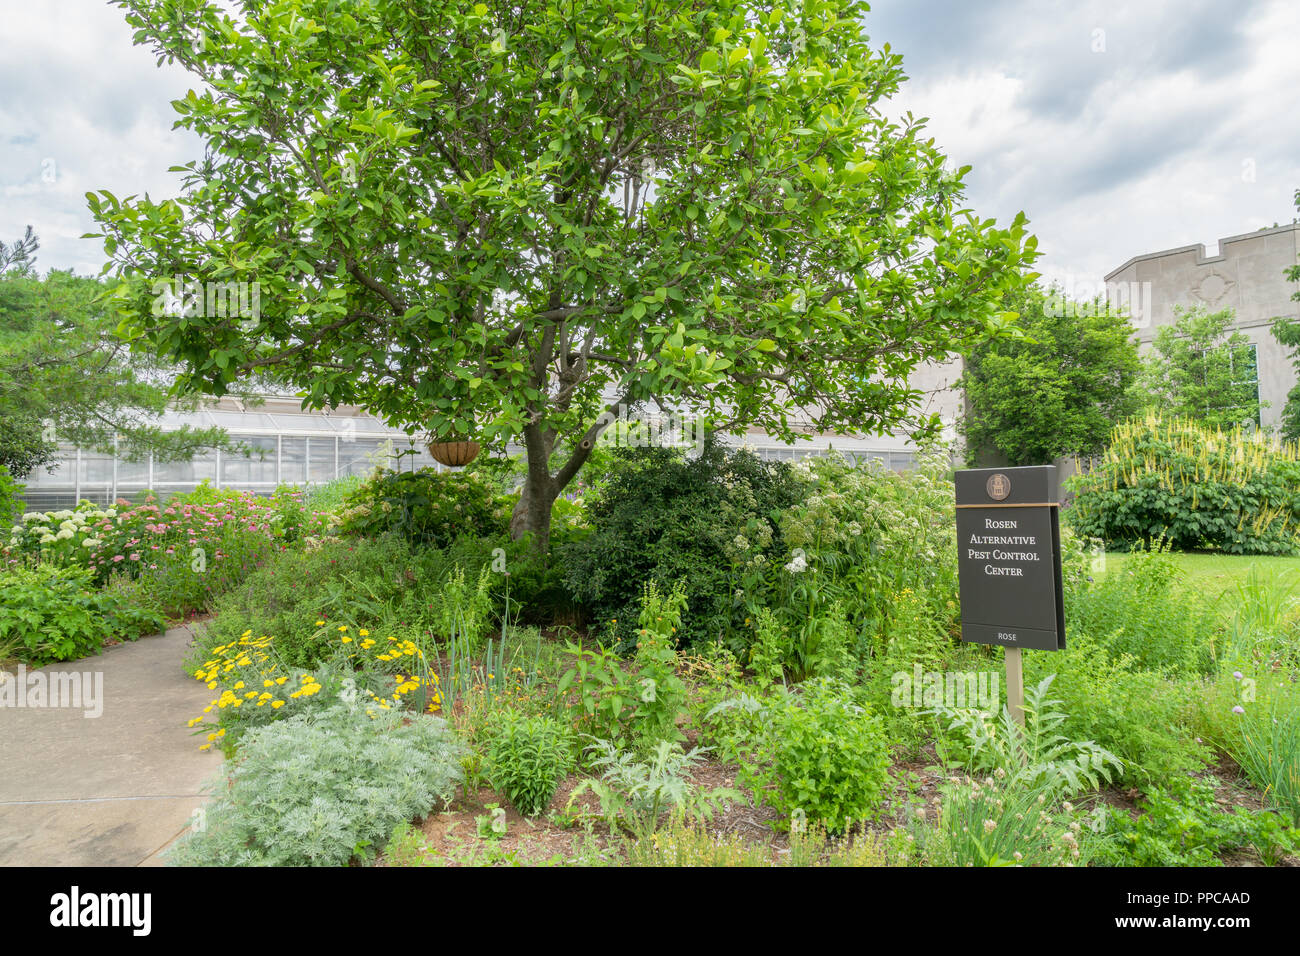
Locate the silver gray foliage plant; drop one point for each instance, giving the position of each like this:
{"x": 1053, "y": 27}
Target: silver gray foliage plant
{"x": 323, "y": 787}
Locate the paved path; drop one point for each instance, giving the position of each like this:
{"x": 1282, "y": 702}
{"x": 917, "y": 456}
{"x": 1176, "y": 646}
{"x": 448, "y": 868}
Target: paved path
{"x": 112, "y": 790}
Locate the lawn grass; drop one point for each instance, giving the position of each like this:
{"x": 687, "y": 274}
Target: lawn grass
{"x": 1216, "y": 573}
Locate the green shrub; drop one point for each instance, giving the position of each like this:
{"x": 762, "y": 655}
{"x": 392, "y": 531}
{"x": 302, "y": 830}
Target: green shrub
{"x": 825, "y": 755}
{"x": 50, "y": 614}
{"x": 11, "y": 503}
{"x": 863, "y": 537}
{"x": 1138, "y": 715}
{"x": 527, "y": 757}
{"x": 662, "y": 692}
{"x": 323, "y": 787}
{"x": 1142, "y": 611}
{"x": 1034, "y": 753}
{"x": 1195, "y": 487}
{"x": 636, "y": 793}
{"x": 661, "y": 517}
{"x": 1186, "y": 826}
{"x": 426, "y": 507}
{"x": 381, "y": 584}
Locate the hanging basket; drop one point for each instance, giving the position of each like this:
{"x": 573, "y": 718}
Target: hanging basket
{"x": 454, "y": 454}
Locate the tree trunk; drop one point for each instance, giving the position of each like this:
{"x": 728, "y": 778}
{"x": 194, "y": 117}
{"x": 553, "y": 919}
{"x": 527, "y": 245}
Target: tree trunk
{"x": 533, "y": 513}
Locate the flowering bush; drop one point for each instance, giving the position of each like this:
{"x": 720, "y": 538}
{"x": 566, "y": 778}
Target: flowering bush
{"x": 1195, "y": 487}
{"x": 866, "y": 535}
{"x": 255, "y": 685}
{"x": 59, "y": 538}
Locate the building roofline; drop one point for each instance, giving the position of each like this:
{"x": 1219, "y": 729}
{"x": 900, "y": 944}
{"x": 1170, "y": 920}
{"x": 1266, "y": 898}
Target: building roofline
{"x": 1199, "y": 248}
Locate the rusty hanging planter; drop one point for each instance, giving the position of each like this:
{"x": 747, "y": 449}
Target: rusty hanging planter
{"x": 454, "y": 454}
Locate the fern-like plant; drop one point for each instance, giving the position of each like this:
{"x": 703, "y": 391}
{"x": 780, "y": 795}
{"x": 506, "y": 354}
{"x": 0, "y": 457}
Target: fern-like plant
{"x": 1034, "y": 754}
{"x": 635, "y": 794}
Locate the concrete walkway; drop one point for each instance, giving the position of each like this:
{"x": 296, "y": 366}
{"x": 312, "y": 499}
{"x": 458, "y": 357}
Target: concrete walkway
{"x": 112, "y": 790}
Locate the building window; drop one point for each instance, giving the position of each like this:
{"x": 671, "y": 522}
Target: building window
{"x": 257, "y": 469}
{"x": 1244, "y": 364}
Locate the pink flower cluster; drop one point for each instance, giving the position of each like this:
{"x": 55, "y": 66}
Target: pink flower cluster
{"x": 141, "y": 530}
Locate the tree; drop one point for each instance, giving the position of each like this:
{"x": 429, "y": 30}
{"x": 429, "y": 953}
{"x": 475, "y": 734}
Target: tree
{"x": 20, "y": 255}
{"x": 506, "y": 220}
{"x": 1055, "y": 391}
{"x": 66, "y": 377}
{"x": 1203, "y": 371}
{"x": 1287, "y": 332}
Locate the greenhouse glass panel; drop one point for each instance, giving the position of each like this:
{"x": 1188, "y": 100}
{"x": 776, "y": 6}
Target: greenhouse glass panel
{"x": 200, "y": 468}
{"x": 358, "y": 457}
{"x": 255, "y": 470}
{"x": 96, "y": 468}
{"x": 321, "y": 459}
{"x": 293, "y": 460}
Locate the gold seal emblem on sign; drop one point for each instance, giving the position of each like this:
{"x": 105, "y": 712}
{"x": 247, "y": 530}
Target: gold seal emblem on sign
{"x": 998, "y": 486}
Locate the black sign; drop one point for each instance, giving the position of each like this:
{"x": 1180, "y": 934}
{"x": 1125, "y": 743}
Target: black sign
{"x": 1009, "y": 557}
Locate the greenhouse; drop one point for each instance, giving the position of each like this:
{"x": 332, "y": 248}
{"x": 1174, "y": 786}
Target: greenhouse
{"x": 289, "y": 446}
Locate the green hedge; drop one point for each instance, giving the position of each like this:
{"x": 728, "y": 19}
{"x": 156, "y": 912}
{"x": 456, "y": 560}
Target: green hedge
{"x": 1195, "y": 487}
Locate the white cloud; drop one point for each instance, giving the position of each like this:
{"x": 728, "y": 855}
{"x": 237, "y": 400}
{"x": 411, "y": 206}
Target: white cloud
{"x": 1147, "y": 145}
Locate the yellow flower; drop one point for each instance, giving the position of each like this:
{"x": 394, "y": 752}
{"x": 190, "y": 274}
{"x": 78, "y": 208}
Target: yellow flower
{"x": 343, "y": 627}
{"x": 363, "y": 632}
{"x": 239, "y": 685}
{"x": 277, "y": 704}
{"x": 268, "y": 683}
{"x": 320, "y": 623}
{"x": 205, "y": 747}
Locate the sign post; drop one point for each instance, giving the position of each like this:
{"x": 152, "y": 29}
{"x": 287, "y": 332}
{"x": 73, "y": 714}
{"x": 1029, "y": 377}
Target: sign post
{"x": 1009, "y": 564}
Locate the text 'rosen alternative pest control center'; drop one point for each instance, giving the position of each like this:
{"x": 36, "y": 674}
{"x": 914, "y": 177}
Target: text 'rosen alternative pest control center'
{"x": 1009, "y": 557}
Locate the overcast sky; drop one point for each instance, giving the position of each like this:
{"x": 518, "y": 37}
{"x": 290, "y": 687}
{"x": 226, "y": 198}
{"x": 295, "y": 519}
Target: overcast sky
{"x": 1119, "y": 128}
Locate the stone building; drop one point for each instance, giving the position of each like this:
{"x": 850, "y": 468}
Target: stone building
{"x": 1246, "y": 275}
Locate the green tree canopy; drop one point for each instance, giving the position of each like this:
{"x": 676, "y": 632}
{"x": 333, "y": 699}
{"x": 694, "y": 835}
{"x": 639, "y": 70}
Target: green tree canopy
{"x": 503, "y": 220}
{"x": 65, "y": 376}
{"x": 1203, "y": 370}
{"x": 1056, "y": 391}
